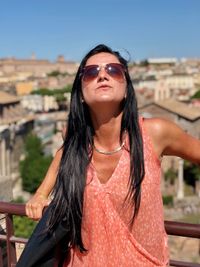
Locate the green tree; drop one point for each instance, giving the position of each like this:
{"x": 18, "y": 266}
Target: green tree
{"x": 43, "y": 92}
{"x": 144, "y": 63}
{"x": 196, "y": 95}
{"x": 33, "y": 146}
{"x": 57, "y": 73}
{"x": 191, "y": 173}
{"x": 170, "y": 176}
{"x": 54, "y": 73}
{"x": 52, "y": 92}
{"x": 23, "y": 226}
{"x": 34, "y": 167}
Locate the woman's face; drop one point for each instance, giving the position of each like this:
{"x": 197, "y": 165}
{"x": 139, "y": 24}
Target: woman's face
{"x": 103, "y": 87}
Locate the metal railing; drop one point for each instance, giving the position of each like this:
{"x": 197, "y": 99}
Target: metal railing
{"x": 10, "y": 209}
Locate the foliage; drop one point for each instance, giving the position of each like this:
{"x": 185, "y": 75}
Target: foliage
{"x": 191, "y": 171}
{"x": 196, "y": 95}
{"x": 23, "y": 226}
{"x": 42, "y": 92}
{"x": 33, "y": 146}
{"x": 60, "y": 98}
{"x": 57, "y": 73}
{"x": 144, "y": 63}
{"x": 34, "y": 167}
{"x": 171, "y": 175}
{"x": 19, "y": 199}
{"x": 168, "y": 200}
{"x": 53, "y": 92}
{"x": 191, "y": 174}
{"x": 33, "y": 171}
{"x": 54, "y": 73}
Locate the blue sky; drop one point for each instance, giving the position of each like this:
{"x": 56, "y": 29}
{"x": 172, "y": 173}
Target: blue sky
{"x": 145, "y": 28}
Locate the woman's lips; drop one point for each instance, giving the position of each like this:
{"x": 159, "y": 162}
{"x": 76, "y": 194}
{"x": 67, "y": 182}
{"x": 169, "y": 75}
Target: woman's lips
{"x": 104, "y": 87}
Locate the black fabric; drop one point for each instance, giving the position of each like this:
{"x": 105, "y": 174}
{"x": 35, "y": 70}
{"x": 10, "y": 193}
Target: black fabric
{"x": 44, "y": 249}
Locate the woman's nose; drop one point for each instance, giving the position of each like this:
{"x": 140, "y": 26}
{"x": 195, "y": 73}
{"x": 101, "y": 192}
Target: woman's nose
{"x": 102, "y": 74}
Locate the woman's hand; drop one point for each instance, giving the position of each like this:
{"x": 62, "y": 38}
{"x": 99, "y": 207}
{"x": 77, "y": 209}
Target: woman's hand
{"x": 35, "y": 206}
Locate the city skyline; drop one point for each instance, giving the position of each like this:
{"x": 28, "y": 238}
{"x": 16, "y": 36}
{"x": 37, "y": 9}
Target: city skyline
{"x": 144, "y": 28}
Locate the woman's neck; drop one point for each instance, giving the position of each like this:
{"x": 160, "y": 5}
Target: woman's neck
{"x": 107, "y": 129}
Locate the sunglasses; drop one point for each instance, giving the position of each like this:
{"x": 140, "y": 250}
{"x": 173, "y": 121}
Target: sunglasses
{"x": 114, "y": 70}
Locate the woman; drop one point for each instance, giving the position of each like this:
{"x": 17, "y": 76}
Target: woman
{"x": 108, "y": 170}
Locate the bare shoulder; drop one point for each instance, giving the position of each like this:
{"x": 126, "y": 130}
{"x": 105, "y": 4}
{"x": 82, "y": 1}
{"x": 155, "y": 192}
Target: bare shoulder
{"x": 161, "y": 131}
{"x": 159, "y": 127}
{"x": 168, "y": 139}
{"x": 157, "y": 122}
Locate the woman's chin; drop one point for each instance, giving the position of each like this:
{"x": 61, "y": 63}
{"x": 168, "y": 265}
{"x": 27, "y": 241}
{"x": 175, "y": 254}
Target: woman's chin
{"x": 105, "y": 102}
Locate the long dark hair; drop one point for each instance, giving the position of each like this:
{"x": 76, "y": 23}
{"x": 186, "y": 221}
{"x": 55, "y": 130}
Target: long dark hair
{"x": 69, "y": 188}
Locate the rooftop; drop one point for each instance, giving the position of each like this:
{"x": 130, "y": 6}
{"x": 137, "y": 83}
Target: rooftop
{"x": 182, "y": 109}
{"x": 6, "y": 98}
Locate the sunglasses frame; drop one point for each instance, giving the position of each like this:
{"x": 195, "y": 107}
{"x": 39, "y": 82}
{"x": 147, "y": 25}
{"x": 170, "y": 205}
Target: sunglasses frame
{"x": 98, "y": 68}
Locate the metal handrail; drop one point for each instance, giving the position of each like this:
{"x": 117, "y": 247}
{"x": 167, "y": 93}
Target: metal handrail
{"x": 182, "y": 229}
{"x": 10, "y": 209}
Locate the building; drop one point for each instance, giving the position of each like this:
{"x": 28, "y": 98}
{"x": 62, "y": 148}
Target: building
{"x": 188, "y": 117}
{"x": 24, "y": 88}
{"x": 5, "y": 168}
{"x": 11, "y": 111}
{"x": 181, "y": 86}
{"x": 36, "y": 67}
{"x": 15, "y": 123}
{"x": 162, "y": 61}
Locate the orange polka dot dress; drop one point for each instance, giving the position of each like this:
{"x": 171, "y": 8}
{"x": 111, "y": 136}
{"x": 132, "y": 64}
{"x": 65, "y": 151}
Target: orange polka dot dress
{"x": 106, "y": 231}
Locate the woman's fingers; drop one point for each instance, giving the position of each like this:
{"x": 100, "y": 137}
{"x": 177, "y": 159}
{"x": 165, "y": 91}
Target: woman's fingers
{"x": 35, "y": 206}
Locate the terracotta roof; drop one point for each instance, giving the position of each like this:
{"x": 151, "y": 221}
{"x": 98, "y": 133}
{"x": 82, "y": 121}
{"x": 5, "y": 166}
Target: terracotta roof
{"x": 6, "y": 98}
{"x": 182, "y": 109}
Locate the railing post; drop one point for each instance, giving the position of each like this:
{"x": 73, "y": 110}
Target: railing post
{"x": 1, "y": 257}
{"x": 11, "y": 250}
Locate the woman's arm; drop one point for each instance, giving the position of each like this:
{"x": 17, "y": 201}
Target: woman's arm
{"x": 169, "y": 139}
{"x": 35, "y": 205}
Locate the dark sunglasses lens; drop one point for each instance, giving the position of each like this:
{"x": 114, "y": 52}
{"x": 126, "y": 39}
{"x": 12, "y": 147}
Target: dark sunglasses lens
{"x": 115, "y": 71}
{"x": 90, "y": 73}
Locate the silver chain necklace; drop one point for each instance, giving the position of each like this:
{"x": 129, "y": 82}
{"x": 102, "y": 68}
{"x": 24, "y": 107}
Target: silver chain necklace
{"x": 109, "y": 152}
